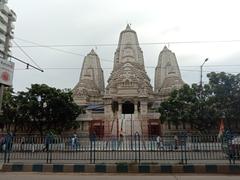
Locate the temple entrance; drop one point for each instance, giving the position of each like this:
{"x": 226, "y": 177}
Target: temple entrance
{"x": 97, "y": 128}
{"x": 154, "y": 128}
{"x": 127, "y": 108}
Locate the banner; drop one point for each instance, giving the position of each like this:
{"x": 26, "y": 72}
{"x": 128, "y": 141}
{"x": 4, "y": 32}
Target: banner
{"x": 6, "y": 72}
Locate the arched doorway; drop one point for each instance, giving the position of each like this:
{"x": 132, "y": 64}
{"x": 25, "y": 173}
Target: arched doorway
{"x": 127, "y": 108}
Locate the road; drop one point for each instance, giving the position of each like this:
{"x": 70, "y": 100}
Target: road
{"x": 35, "y": 176}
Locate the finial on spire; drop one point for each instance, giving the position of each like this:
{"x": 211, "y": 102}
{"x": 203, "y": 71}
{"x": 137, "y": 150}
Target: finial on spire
{"x": 165, "y": 48}
{"x": 128, "y": 27}
{"x": 92, "y": 52}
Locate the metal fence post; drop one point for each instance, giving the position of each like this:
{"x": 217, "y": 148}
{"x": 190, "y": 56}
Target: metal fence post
{"x": 92, "y": 147}
{"x": 5, "y": 153}
{"x": 8, "y": 147}
{"x": 137, "y": 147}
{"x": 50, "y": 150}
{"x": 185, "y": 149}
{"x": 181, "y": 149}
{"x": 48, "y": 147}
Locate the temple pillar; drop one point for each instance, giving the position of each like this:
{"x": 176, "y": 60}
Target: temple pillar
{"x": 143, "y": 105}
{"x": 135, "y": 108}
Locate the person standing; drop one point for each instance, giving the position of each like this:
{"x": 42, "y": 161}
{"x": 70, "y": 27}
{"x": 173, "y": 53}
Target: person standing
{"x": 22, "y": 143}
{"x": 159, "y": 142}
{"x": 8, "y": 141}
{"x": 47, "y": 142}
{"x": 176, "y": 141}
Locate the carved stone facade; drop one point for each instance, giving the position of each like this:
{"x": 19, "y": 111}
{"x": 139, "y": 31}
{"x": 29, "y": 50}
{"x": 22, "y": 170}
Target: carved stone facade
{"x": 128, "y": 100}
{"x": 167, "y": 73}
{"x": 90, "y": 88}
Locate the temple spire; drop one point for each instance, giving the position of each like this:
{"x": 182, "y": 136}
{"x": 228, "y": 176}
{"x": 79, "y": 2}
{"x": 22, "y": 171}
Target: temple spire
{"x": 167, "y": 72}
{"x": 128, "y": 48}
{"x": 91, "y": 81}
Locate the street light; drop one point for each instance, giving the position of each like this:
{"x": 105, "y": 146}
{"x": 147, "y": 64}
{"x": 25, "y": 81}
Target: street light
{"x": 201, "y": 68}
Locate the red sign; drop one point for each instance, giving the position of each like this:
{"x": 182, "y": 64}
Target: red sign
{"x": 6, "y": 72}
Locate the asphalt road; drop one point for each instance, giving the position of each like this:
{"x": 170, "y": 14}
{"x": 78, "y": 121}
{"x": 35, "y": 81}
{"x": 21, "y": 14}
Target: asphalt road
{"x": 34, "y": 176}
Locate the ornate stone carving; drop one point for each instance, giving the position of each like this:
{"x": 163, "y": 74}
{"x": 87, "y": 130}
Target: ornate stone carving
{"x": 91, "y": 82}
{"x": 167, "y": 74}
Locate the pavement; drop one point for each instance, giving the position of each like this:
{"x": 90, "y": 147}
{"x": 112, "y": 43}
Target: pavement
{"x": 47, "y": 176}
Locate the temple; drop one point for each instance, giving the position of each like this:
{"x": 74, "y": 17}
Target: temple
{"x": 128, "y": 104}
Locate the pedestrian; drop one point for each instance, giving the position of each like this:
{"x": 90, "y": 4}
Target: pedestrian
{"x": 159, "y": 142}
{"x": 8, "y": 141}
{"x": 47, "y": 142}
{"x": 73, "y": 141}
{"x": 33, "y": 143}
{"x": 176, "y": 141}
{"x": 22, "y": 143}
{"x": 120, "y": 139}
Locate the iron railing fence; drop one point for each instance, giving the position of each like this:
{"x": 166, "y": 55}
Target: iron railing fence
{"x": 178, "y": 149}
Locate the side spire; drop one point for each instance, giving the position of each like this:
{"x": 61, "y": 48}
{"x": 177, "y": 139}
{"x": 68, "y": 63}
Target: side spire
{"x": 91, "y": 81}
{"x": 167, "y": 72}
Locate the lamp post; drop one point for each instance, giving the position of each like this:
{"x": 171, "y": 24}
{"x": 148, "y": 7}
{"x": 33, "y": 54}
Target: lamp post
{"x": 201, "y": 68}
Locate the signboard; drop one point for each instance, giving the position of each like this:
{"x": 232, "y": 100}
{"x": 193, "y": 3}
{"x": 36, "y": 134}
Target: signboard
{"x": 6, "y": 72}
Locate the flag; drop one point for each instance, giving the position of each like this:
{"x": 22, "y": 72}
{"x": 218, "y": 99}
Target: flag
{"x": 221, "y": 129}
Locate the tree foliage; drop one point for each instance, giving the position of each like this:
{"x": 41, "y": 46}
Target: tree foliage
{"x": 221, "y": 96}
{"x": 41, "y": 108}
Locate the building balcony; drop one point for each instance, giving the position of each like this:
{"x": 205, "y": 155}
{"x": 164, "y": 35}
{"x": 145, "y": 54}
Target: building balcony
{"x": 4, "y": 9}
{"x": 11, "y": 34}
{"x": 3, "y": 18}
{"x": 13, "y": 15}
{"x": 1, "y": 47}
{"x": 2, "y": 38}
{"x": 12, "y": 26}
{"x": 3, "y": 28}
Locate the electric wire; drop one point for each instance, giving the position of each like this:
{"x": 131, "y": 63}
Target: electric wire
{"x": 59, "y": 50}
{"x": 52, "y": 47}
{"x": 26, "y": 54}
{"x": 115, "y": 44}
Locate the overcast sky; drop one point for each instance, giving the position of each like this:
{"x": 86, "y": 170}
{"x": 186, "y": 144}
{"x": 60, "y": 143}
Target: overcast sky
{"x": 92, "y": 22}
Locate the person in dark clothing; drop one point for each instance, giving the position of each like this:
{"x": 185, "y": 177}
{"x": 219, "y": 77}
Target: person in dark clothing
{"x": 47, "y": 142}
{"x": 8, "y": 141}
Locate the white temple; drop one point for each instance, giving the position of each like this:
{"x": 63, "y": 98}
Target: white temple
{"x": 127, "y": 103}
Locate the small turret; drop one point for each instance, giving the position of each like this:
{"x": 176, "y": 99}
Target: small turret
{"x": 91, "y": 81}
{"x": 167, "y": 72}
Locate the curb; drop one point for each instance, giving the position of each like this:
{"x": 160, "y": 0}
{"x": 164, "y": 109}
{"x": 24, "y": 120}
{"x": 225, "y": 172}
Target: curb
{"x": 122, "y": 168}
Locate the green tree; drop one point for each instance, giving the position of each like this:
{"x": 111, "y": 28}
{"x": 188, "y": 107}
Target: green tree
{"x": 9, "y": 109}
{"x": 186, "y": 106}
{"x": 225, "y": 95}
{"x": 41, "y": 108}
{"x": 221, "y": 96}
